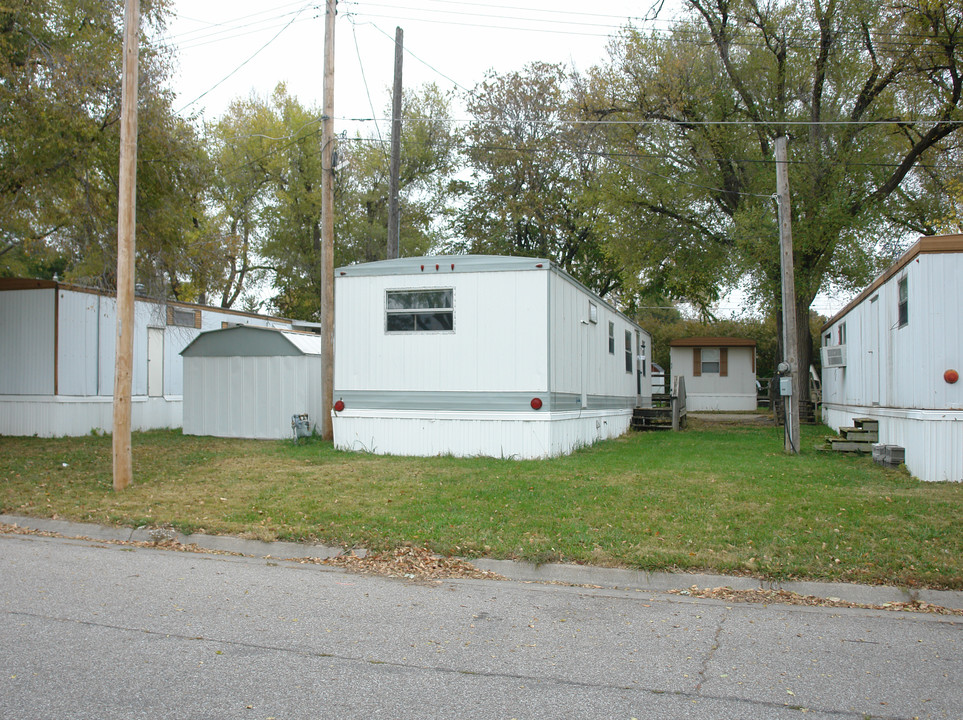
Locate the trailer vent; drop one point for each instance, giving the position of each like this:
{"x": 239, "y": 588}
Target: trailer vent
{"x": 834, "y": 356}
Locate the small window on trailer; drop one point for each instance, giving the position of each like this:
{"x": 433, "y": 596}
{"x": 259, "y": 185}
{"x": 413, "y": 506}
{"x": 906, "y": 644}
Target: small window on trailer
{"x": 903, "y": 305}
{"x": 611, "y": 338}
{"x": 430, "y": 310}
{"x": 183, "y": 317}
{"x": 628, "y": 351}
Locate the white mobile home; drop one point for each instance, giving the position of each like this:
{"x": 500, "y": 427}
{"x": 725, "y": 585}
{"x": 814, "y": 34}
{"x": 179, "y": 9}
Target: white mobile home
{"x": 480, "y": 355}
{"x": 249, "y": 381}
{"x": 894, "y": 354}
{"x": 719, "y": 372}
{"x": 57, "y": 357}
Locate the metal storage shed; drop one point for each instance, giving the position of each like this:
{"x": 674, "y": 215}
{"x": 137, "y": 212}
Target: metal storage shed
{"x": 249, "y": 381}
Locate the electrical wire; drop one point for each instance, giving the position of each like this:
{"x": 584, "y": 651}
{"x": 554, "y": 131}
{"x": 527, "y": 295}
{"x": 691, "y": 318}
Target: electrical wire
{"x": 256, "y": 53}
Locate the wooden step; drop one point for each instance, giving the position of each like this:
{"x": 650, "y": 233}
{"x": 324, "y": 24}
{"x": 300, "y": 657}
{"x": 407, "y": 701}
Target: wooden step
{"x": 840, "y": 444}
{"x": 868, "y": 424}
{"x": 859, "y": 434}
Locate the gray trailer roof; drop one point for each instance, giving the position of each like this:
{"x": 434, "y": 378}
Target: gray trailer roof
{"x": 444, "y": 264}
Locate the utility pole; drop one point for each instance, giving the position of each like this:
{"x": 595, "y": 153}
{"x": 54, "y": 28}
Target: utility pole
{"x": 126, "y": 216}
{"x": 394, "y": 213}
{"x": 789, "y": 335}
{"x": 327, "y": 223}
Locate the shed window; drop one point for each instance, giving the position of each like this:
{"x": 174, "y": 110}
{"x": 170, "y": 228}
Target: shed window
{"x": 628, "y": 351}
{"x": 593, "y": 313}
{"x": 419, "y": 311}
{"x": 710, "y": 361}
{"x": 903, "y": 302}
{"x": 611, "y": 338}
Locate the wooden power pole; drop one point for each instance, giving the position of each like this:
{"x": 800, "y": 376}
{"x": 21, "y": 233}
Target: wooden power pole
{"x": 394, "y": 212}
{"x": 126, "y": 217}
{"x": 790, "y": 338}
{"x": 327, "y": 223}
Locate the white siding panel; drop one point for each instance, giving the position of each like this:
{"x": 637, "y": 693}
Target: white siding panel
{"x": 77, "y": 344}
{"x": 27, "y": 342}
{"x": 498, "y": 343}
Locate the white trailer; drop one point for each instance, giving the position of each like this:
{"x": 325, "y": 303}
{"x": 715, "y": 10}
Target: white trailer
{"x": 57, "y": 344}
{"x": 480, "y": 355}
{"x": 894, "y": 354}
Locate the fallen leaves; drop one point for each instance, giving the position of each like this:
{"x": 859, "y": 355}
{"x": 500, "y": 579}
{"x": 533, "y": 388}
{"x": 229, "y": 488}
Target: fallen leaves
{"x": 785, "y": 597}
{"x": 413, "y": 563}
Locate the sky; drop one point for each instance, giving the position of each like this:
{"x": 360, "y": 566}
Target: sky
{"x": 229, "y": 49}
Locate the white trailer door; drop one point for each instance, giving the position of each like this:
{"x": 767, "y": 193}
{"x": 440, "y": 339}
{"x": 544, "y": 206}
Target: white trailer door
{"x": 155, "y": 362}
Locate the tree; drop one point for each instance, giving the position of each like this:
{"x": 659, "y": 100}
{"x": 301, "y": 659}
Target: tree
{"x": 429, "y": 148}
{"x": 267, "y": 194}
{"x": 59, "y": 145}
{"x": 868, "y": 93}
{"x": 530, "y": 192}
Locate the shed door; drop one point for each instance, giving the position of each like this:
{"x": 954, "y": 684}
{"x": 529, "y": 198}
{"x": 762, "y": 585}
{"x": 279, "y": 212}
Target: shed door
{"x": 155, "y": 362}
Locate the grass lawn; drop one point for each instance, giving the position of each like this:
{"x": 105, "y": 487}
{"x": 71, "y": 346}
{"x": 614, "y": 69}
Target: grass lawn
{"x": 718, "y": 497}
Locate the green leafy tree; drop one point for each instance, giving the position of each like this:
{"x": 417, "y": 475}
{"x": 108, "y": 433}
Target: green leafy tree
{"x": 531, "y": 187}
{"x": 59, "y": 146}
{"x": 868, "y": 93}
{"x": 429, "y": 150}
{"x": 267, "y": 195}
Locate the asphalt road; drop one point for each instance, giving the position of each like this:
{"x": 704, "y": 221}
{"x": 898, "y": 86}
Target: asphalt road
{"x": 91, "y": 630}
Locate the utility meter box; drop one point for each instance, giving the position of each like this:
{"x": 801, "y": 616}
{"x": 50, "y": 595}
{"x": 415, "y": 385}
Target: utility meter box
{"x": 785, "y": 386}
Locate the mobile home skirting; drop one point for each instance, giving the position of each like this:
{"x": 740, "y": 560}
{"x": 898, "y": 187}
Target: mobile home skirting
{"x": 933, "y": 439}
{"x": 64, "y": 415}
{"x": 515, "y": 435}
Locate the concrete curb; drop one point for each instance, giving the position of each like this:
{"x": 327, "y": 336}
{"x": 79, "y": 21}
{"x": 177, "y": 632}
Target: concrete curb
{"x": 613, "y": 578}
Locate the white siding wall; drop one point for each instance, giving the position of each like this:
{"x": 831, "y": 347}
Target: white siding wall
{"x": 498, "y": 344}
{"x": 581, "y": 361}
{"x": 911, "y": 359}
{"x": 26, "y": 342}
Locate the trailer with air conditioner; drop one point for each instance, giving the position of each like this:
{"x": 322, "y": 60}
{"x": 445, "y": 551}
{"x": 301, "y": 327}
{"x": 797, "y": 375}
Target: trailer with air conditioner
{"x": 894, "y": 354}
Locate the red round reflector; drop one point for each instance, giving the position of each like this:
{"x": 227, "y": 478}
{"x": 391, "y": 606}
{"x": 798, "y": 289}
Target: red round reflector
{"x": 536, "y": 403}
{"x": 951, "y": 376}
{"x": 339, "y": 406}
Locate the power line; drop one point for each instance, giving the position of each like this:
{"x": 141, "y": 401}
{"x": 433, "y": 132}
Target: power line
{"x": 256, "y": 53}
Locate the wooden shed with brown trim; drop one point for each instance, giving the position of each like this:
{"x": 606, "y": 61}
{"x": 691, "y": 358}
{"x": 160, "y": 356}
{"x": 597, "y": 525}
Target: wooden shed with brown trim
{"x": 719, "y": 372}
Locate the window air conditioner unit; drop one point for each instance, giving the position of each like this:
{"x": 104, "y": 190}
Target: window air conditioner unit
{"x": 834, "y": 356}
